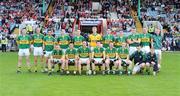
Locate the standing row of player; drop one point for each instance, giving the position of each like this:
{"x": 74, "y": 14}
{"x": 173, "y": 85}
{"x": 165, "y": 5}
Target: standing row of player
{"x": 106, "y": 51}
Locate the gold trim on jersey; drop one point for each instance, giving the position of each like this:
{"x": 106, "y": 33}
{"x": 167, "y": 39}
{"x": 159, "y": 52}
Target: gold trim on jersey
{"x": 98, "y": 54}
{"x": 107, "y": 41}
{"x": 71, "y": 56}
{"x": 38, "y": 41}
{"x": 63, "y": 42}
{"x": 84, "y": 54}
{"x": 78, "y": 43}
{"x": 145, "y": 40}
{"x": 123, "y": 55}
{"x": 111, "y": 54}
{"x": 57, "y": 56}
{"x": 119, "y": 43}
{"x": 24, "y": 42}
{"x": 49, "y": 43}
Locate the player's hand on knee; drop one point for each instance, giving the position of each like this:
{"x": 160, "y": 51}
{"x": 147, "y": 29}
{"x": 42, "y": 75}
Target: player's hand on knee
{"x": 152, "y": 62}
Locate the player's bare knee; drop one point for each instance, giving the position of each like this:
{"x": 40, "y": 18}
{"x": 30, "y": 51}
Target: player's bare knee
{"x": 143, "y": 65}
{"x": 147, "y": 64}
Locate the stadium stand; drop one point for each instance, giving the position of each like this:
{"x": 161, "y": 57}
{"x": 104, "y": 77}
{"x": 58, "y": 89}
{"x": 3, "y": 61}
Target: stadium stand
{"x": 167, "y": 12}
{"x": 14, "y": 12}
{"x": 66, "y": 14}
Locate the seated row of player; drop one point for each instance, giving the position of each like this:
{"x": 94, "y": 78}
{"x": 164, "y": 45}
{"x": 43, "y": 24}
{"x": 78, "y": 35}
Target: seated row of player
{"x": 118, "y": 58}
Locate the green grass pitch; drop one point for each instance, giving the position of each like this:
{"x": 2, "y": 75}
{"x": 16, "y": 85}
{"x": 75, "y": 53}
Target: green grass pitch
{"x": 167, "y": 83}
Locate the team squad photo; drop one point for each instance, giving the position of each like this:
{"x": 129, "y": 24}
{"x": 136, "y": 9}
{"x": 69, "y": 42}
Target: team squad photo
{"x": 136, "y": 53}
{"x": 89, "y": 47}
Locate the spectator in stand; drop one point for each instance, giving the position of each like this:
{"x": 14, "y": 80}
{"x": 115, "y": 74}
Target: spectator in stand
{"x": 4, "y": 43}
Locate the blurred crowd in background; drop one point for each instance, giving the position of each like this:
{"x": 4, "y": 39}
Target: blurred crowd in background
{"x": 66, "y": 15}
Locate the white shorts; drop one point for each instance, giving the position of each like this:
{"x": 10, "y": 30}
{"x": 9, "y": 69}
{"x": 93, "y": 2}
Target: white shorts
{"x": 71, "y": 60}
{"x": 84, "y": 60}
{"x": 23, "y": 52}
{"x": 38, "y": 51}
{"x": 48, "y": 53}
{"x": 32, "y": 46}
{"x": 145, "y": 49}
{"x": 158, "y": 53}
{"x": 136, "y": 68}
{"x": 57, "y": 60}
{"x": 98, "y": 60}
{"x": 132, "y": 50}
{"x": 112, "y": 60}
{"x": 126, "y": 61}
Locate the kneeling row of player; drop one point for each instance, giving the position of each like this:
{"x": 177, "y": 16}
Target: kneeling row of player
{"x": 106, "y": 58}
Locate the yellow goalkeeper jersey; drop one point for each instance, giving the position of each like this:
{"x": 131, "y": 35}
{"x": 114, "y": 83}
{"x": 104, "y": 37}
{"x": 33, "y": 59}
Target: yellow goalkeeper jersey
{"x": 94, "y": 38}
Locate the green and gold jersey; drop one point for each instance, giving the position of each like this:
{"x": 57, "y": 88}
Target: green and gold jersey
{"x": 134, "y": 36}
{"x": 58, "y": 54}
{"x": 107, "y": 39}
{"x": 98, "y": 52}
{"x": 49, "y": 43}
{"x": 71, "y": 53}
{"x": 63, "y": 41}
{"x": 78, "y": 41}
{"x": 145, "y": 39}
{"x": 84, "y": 52}
{"x": 111, "y": 53}
{"x": 123, "y": 52}
{"x": 23, "y": 41}
{"x": 119, "y": 40}
{"x": 37, "y": 40}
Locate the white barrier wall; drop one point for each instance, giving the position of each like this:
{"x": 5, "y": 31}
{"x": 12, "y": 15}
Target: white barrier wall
{"x": 157, "y": 24}
{"x": 25, "y": 23}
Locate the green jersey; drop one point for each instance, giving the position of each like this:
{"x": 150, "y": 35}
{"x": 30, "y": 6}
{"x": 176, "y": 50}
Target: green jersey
{"x": 111, "y": 53}
{"x": 134, "y": 36}
{"x": 24, "y": 41}
{"x": 78, "y": 41}
{"x": 119, "y": 41}
{"x": 38, "y": 40}
{"x": 98, "y": 52}
{"x": 84, "y": 52}
{"x": 123, "y": 52}
{"x": 63, "y": 41}
{"x": 57, "y": 54}
{"x": 49, "y": 43}
{"x": 107, "y": 39}
{"x": 157, "y": 41}
{"x": 145, "y": 39}
{"x": 71, "y": 53}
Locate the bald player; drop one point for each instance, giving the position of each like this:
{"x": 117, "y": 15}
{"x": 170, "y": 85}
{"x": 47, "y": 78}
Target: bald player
{"x": 37, "y": 39}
